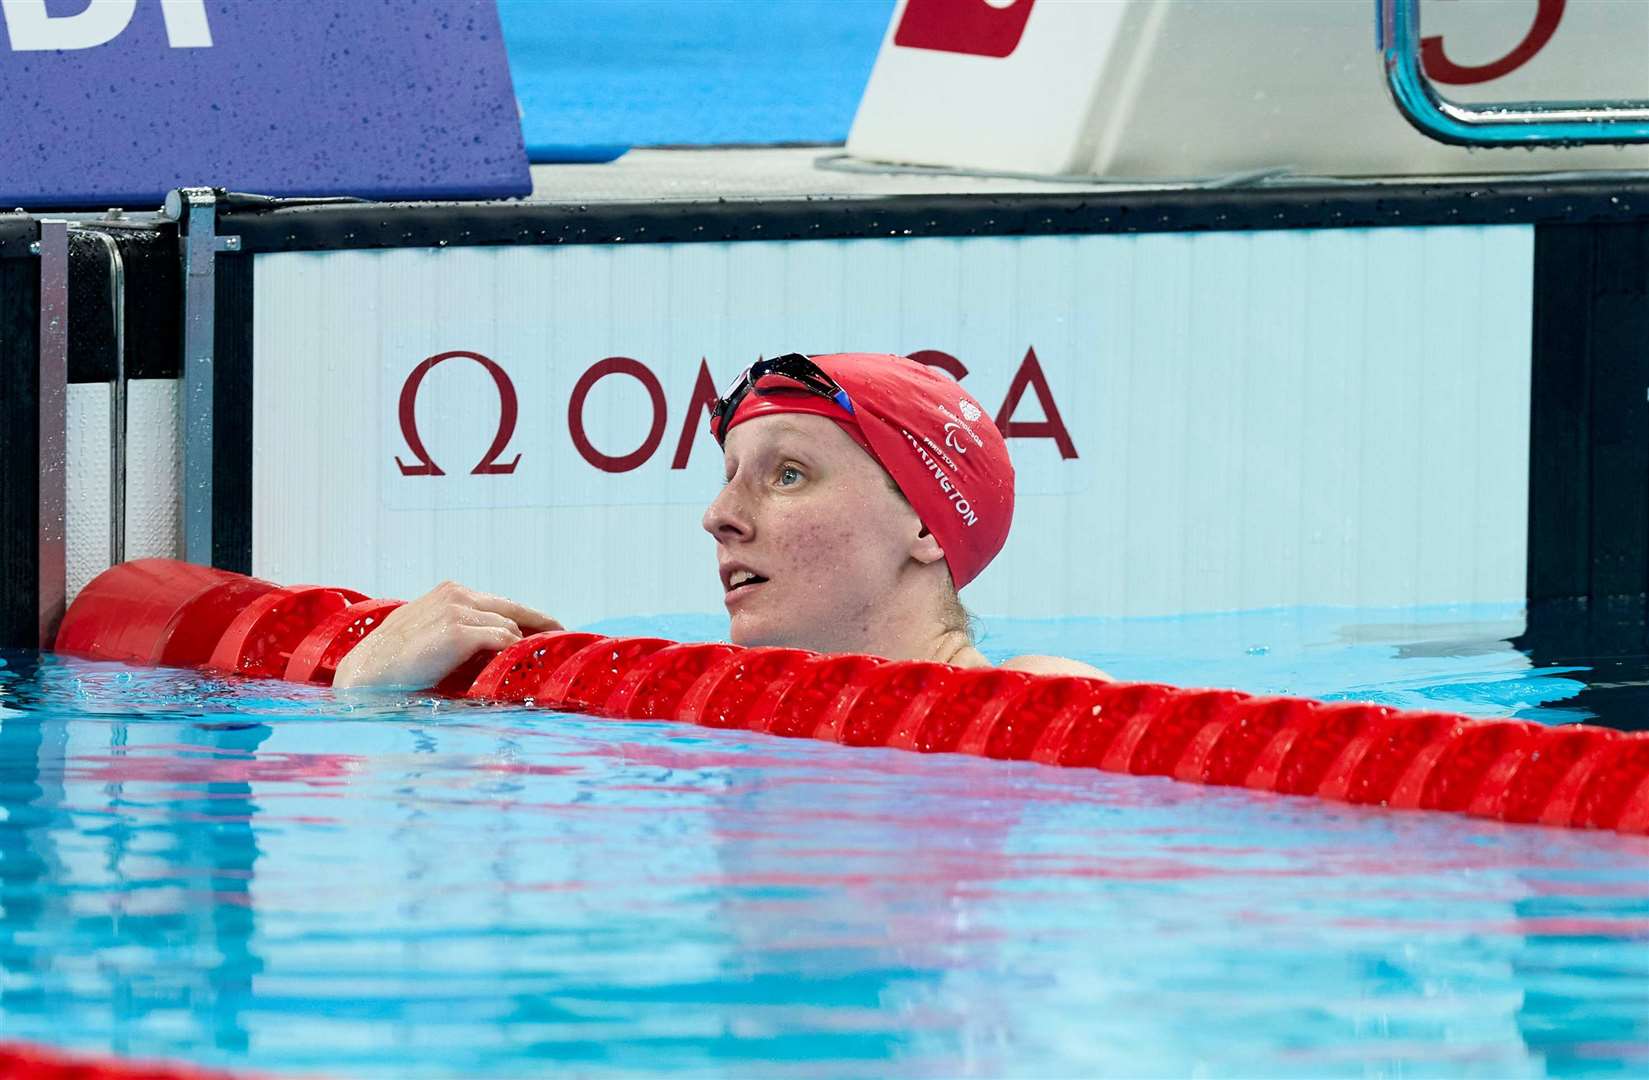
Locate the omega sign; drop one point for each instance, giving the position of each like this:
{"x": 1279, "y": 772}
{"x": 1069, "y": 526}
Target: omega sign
{"x": 1029, "y": 377}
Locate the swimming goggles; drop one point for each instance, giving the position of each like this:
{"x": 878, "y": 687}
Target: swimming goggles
{"x": 804, "y": 373}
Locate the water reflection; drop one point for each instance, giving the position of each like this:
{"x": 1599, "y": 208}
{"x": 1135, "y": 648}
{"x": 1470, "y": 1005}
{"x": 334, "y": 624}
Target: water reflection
{"x": 29, "y": 857}
{"x": 100, "y": 846}
{"x": 988, "y": 927}
{"x": 1608, "y": 639}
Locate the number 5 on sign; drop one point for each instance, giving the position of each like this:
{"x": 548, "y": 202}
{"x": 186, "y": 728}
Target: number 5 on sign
{"x": 1443, "y": 70}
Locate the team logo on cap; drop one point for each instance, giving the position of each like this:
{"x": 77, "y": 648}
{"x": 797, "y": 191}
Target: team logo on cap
{"x": 954, "y": 423}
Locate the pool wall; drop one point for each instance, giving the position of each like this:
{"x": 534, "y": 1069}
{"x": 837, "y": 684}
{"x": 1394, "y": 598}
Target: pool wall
{"x": 1359, "y": 394}
{"x": 1211, "y": 422}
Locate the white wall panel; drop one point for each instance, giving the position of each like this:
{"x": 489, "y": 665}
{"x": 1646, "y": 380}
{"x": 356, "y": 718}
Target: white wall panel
{"x": 154, "y": 476}
{"x": 86, "y": 530}
{"x": 1267, "y": 418}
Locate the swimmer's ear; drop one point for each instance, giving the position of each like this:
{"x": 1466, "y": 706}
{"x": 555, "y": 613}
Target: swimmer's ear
{"x": 925, "y": 548}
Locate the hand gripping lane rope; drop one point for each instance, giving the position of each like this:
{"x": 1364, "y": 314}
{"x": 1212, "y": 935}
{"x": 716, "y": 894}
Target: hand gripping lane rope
{"x": 155, "y": 611}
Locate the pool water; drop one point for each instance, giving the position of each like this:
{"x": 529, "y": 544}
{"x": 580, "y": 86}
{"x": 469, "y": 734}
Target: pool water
{"x": 277, "y": 878}
{"x": 594, "y": 77}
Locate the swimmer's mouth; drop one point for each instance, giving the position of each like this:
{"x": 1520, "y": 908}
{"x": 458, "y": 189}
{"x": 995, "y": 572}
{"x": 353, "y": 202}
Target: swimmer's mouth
{"x": 741, "y": 578}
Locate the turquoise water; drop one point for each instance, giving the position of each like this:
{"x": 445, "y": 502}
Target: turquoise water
{"x": 271, "y": 877}
{"x": 594, "y": 77}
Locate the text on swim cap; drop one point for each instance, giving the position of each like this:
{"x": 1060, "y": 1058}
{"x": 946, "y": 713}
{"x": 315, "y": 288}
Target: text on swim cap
{"x": 964, "y": 509}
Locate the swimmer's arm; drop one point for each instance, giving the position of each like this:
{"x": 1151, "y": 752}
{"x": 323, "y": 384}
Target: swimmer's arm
{"x": 1053, "y": 665}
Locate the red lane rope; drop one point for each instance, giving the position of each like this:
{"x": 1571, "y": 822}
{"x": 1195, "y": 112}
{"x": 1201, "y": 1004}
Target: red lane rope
{"x": 19, "y": 1061}
{"x": 1575, "y": 776}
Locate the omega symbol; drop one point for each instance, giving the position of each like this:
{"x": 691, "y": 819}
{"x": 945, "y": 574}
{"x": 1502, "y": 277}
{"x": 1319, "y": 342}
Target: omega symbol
{"x": 507, "y": 410}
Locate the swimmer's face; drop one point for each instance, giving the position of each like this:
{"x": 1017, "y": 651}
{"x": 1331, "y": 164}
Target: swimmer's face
{"x": 814, "y": 518}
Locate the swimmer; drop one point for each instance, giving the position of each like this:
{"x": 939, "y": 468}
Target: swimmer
{"x": 862, "y": 492}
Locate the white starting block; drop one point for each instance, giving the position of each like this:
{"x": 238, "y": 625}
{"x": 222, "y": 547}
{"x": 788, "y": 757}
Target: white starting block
{"x": 1138, "y": 89}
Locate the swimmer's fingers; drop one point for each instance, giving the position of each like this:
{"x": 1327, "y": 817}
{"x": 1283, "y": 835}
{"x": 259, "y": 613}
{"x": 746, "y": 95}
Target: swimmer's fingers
{"x": 526, "y": 619}
{"x": 482, "y": 638}
{"x": 420, "y": 657}
{"x": 483, "y": 617}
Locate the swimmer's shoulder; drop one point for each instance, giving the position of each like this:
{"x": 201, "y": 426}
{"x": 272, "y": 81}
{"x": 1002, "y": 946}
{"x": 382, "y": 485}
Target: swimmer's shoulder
{"x": 1053, "y": 665}
{"x": 971, "y": 657}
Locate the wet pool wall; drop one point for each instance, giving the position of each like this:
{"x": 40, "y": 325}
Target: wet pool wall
{"x": 1225, "y": 420}
{"x": 1465, "y": 470}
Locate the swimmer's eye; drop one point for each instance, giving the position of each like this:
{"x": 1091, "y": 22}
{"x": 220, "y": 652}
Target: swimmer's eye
{"x": 789, "y": 475}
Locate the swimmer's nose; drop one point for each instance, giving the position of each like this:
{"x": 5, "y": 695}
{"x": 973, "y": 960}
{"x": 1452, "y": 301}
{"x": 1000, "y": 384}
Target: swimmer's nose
{"x": 726, "y": 518}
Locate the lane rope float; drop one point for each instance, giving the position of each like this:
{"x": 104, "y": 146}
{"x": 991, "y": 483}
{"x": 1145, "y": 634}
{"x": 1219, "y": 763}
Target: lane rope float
{"x": 155, "y": 611}
{"x": 24, "y": 1061}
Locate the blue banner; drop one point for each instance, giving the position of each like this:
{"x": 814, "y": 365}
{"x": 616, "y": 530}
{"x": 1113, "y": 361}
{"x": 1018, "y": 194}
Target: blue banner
{"x": 116, "y": 102}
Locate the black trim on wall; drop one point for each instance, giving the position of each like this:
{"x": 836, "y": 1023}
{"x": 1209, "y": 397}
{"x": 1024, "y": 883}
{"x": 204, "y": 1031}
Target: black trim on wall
{"x": 154, "y": 280}
{"x": 91, "y": 321}
{"x": 232, "y": 415}
{"x": 1589, "y": 413}
{"x": 335, "y": 226}
{"x": 1560, "y": 414}
{"x": 17, "y": 232}
{"x": 19, "y": 448}
{"x": 1588, "y": 583}
{"x": 153, "y": 346}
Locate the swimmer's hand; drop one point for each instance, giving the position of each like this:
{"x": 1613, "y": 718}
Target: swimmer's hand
{"x": 420, "y": 643}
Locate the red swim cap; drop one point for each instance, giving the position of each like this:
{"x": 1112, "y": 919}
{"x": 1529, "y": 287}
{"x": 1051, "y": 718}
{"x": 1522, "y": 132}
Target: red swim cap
{"x": 931, "y": 436}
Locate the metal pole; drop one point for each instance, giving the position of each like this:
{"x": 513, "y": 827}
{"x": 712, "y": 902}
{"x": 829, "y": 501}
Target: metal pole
{"x": 53, "y": 416}
{"x": 117, "y": 396}
{"x": 195, "y": 210}
{"x": 1520, "y": 123}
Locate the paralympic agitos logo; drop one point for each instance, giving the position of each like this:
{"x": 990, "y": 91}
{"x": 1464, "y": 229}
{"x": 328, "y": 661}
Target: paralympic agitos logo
{"x": 497, "y": 460}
